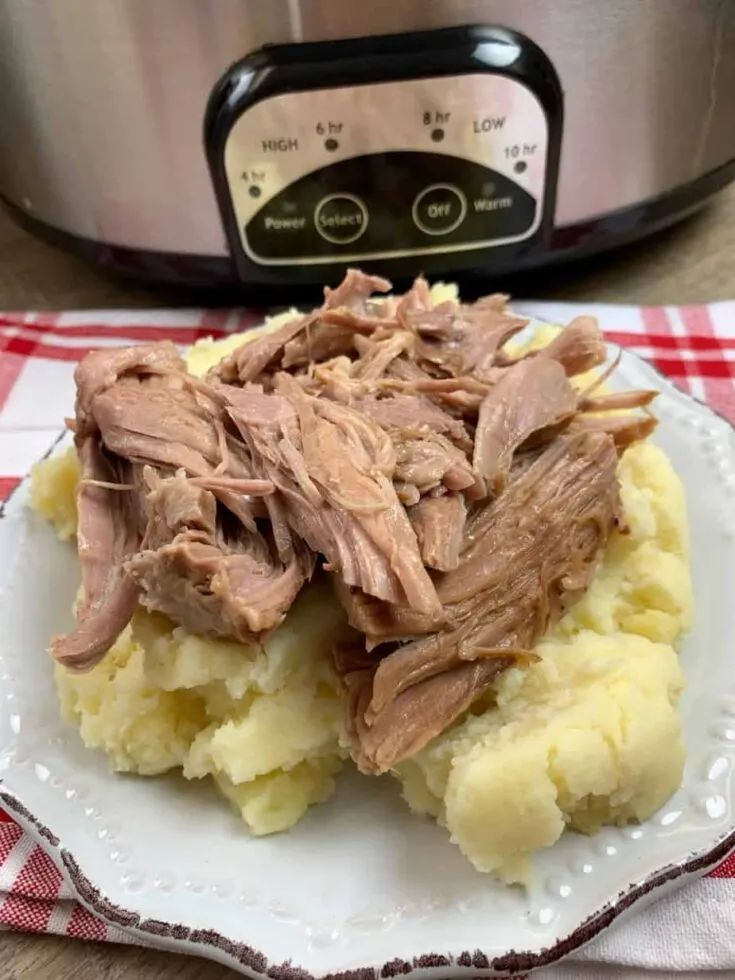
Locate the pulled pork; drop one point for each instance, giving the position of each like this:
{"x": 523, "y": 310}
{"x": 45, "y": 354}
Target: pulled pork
{"x": 460, "y": 496}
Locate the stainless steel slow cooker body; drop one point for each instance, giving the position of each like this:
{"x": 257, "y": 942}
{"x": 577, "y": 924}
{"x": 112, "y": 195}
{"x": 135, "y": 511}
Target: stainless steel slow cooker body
{"x": 102, "y": 107}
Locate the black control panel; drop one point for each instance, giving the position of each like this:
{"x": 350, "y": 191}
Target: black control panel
{"x": 390, "y": 203}
{"x": 430, "y": 151}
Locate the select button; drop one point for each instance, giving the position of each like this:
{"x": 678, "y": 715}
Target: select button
{"x": 439, "y": 209}
{"x": 341, "y": 218}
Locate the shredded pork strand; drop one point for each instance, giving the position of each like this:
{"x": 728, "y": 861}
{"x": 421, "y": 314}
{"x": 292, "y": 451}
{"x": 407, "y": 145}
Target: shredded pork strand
{"x": 459, "y": 496}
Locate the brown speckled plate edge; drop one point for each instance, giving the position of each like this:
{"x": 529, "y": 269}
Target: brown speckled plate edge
{"x": 213, "y": 945}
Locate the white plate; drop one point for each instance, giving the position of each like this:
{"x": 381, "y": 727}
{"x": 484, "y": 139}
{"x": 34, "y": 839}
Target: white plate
{"x": 360, "y": 888}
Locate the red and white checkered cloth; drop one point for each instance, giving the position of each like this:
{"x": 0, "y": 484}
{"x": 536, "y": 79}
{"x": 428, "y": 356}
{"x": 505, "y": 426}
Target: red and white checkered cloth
{"x": 694, "y": 345}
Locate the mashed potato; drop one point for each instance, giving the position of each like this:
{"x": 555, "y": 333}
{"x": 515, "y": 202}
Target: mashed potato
{"x": 264, "y": 722}
{"x": 588, "y": 735}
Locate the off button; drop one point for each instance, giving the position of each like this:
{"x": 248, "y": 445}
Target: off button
{"x": 439, "y": 209}
{"x": 341, "y": 218}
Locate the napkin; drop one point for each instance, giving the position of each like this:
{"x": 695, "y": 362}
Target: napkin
{"x": 688, "y": 933}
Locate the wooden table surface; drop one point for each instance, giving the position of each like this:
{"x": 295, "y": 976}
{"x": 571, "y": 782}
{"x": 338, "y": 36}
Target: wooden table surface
{"x": 694, "y": 262}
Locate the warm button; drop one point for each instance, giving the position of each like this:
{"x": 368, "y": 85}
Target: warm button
{"x": 341, "y": 218}
{"x": 439, "y": 209}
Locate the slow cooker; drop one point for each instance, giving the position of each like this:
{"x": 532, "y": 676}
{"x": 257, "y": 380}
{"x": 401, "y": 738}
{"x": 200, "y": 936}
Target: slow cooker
{"x": 280, "y": 141}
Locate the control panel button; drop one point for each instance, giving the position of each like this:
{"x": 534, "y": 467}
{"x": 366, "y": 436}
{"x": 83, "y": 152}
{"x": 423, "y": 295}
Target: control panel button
{"x": 439, "y": 209}
{"x": 341, "y": 218}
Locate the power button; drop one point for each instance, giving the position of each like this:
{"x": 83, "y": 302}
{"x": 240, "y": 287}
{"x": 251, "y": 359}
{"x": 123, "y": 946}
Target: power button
{"x": 439, "y": 209}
